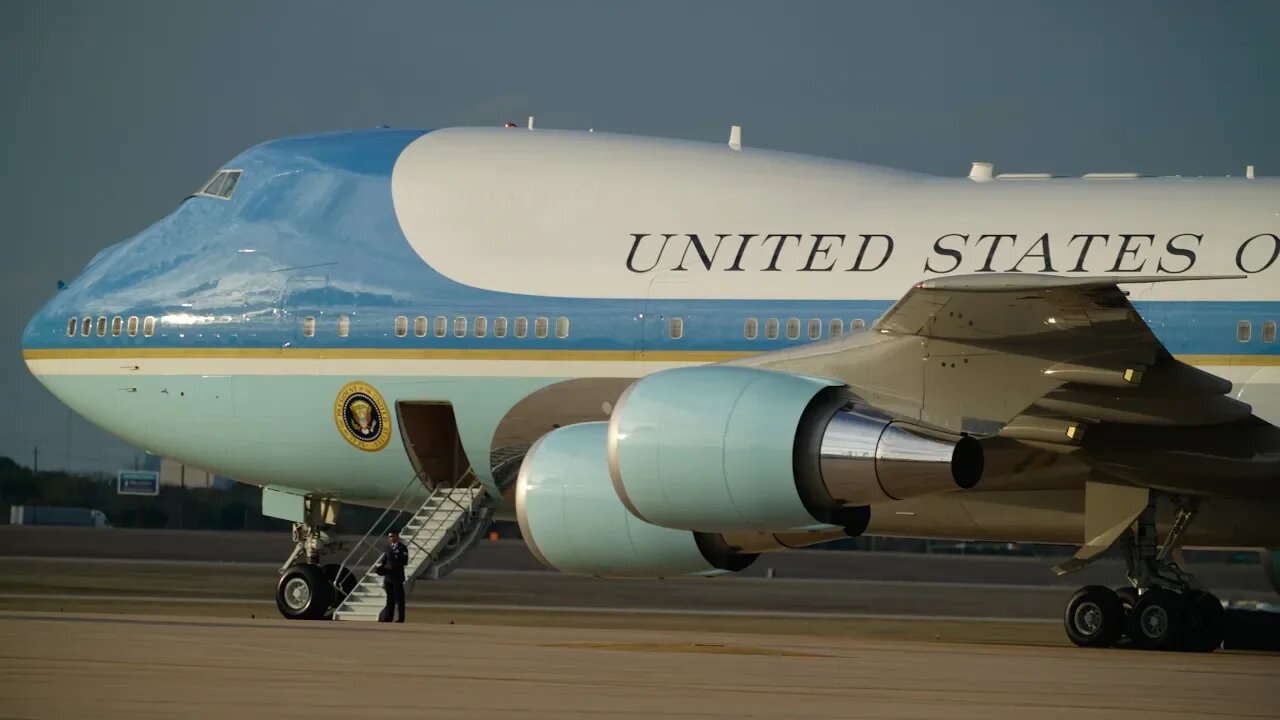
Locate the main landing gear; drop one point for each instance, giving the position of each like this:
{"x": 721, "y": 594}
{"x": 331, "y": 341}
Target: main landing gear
{"x": 1163, "y": 608}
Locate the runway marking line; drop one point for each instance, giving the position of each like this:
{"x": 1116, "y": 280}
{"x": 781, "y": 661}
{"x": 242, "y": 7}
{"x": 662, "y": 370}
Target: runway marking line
{"x": 699, "y": 648}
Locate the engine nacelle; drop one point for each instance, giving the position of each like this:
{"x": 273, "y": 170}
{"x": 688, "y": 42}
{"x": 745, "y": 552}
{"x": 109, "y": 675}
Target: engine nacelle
{"x": 730, "y": 449}
{"x": 572, "y": 519}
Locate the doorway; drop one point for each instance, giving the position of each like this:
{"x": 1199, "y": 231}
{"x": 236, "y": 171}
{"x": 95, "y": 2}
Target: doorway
{"x": 429, "y": 431}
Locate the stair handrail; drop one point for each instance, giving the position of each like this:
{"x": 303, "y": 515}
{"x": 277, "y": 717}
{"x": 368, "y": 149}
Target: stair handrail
{"x": 470, "y": 510}
{"x": 446, "y": 497}
{"x": 363, "y": 546}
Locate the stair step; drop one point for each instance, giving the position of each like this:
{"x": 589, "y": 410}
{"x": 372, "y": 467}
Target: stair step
{"x": 425, "y": 532}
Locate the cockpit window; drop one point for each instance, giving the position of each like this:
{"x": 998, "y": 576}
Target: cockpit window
{"x": 221, "y": 185}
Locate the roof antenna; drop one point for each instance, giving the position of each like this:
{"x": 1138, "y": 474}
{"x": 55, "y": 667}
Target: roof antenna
{"x": 981, "y": 172}
{"x": 1248, "y": 172}
{"x": 735, "y": 137}
{"x": 530, "y": 122}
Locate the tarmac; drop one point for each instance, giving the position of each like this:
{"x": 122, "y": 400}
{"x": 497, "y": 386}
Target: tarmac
{"x": 142, "y": 624}
{"x": 78, "y": 665}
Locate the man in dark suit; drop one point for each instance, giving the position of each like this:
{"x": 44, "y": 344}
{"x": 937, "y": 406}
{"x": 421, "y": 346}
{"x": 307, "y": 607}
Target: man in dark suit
{"x": 391, "y": 568}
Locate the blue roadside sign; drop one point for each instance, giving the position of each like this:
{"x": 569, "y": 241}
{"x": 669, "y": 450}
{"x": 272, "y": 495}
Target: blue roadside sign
{"x": 138, "y": 482}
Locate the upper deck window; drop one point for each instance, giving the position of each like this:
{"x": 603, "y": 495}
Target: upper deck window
{"x": 221, "y": 185}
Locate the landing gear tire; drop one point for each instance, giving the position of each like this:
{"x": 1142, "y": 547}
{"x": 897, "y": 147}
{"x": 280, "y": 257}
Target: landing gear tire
{"x": 1205, "y": 623}
{"x": 342, "y": 580}
{"x": 1128, "y": 595}
{"x": 304, "y": 593}
{"x": 1158, "y": 620}
{"x": 1094, "y": 617}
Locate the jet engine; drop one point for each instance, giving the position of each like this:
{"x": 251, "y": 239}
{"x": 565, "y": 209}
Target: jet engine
{"x": 572, "y": 519}
{"x": 730, "y": 449}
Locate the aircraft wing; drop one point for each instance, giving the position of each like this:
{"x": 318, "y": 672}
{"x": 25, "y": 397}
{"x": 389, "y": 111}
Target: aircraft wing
{"x": 1083, "y": 352}
{"x": 1064, "y": 364}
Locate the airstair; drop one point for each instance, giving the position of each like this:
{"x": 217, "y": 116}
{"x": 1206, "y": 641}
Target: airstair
{"x": 438, "y": 533}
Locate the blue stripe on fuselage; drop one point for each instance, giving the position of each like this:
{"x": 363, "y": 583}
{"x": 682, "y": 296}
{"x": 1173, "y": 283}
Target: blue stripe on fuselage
{"x": 311, "y": 231}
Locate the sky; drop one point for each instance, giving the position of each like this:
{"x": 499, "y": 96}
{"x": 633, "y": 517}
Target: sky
{"x": 111, "y": 112}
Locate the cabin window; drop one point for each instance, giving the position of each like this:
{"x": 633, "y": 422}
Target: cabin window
{"x": 1269, "y": 331}
{"x": 402, "y": 326}
{"x": 117, "y": 326}
{"x": 460, "y": 326}
{"x": 344, "y": 326}
{"x": 102, "y": 326}
{"x": 1244, "y": 330}
{"x": 771, "y": 329}
{"x": 562, "y": 327}
{"x": 86, "y": 326}
{"x": 500, "y": 327}
{"x": 815, "y": 328}
{"x": 857, "y": 324}
{"x": 308, "y": 326}
{"x": 836, "y": 328}
{"x": 148, "y": 326}
{"x": 793, "y": 328}
{"x": 420, "y": 326}
{"x": 482, "y": 326}
{"x": 72, "y": 324}
{"x": 522, "y": 327}
{"x": 676, "y": 329}
{"x": 540, "y": 326}
{"x": 441, "y": 326}
{"x": 751, "y": 329}
{"x": 133, "y": 326}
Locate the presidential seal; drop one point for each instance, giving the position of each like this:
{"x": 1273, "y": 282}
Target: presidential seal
{"x": 362, "y": 415}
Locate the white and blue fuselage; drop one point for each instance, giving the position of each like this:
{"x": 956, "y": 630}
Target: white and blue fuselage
{"x": 477, "y": 267}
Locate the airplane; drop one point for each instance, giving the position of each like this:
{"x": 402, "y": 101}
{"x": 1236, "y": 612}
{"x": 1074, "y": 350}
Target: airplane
{"x": 664, "y": 357}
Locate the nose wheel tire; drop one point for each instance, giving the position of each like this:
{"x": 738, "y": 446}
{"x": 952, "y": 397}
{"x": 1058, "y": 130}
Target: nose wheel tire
{"x": 1094, "y": 617}
{"x": 342, "y": 580}
{"x": 304, "y": 593}
{"x": 1158, "y": 620}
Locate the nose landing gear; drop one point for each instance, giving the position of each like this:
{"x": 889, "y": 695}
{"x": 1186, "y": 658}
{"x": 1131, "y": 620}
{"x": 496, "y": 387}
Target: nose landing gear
{"x": 1165, "y": 607}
